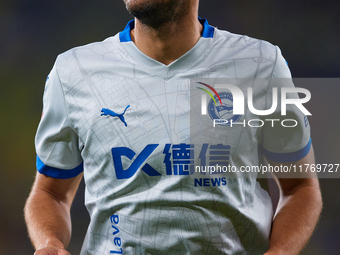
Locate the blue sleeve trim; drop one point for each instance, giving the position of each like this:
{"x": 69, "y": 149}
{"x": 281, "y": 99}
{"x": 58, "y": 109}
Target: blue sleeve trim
{"x": 125, "y": 36}
{"x": 287, "y": 157}
{"x": 58, "y": 173}
{"x": 208, "y": 31}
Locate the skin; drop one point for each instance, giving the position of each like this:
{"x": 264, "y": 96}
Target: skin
{"x": 174, "y": 37}
{"x": 298, "y": 210}
{"x": 47, "y": 214}
{"x": 47, "y": 210}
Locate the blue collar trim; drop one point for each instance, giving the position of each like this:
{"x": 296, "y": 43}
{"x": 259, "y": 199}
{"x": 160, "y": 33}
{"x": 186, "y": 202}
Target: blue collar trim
{"x": 124, "y": 36}
{"x": 208, "y": 31}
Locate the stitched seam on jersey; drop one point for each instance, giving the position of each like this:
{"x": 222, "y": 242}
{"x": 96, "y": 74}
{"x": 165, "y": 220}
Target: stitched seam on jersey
{"x": 258, "y": 132}
{"x": 271, "y": 77}
{"x": 66, "y": 112}
{"x": 208, "y": 48}
{"x": 65, "y": 102}
{"x": 54, "y": 144}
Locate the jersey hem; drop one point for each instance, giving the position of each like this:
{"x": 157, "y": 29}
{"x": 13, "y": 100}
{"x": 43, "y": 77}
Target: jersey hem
{"x": 56, "y": 172}
{"x": 287, "y": 157}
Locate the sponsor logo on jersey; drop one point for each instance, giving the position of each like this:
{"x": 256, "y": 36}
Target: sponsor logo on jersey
{"x": 178, "y": 160}
{"x": 119, "y": 152}
{"x": 108, "y": 112}
{"x": 117, "y": 241}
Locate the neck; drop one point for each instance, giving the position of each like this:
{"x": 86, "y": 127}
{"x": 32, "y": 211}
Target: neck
{"x": 170, "y": 41}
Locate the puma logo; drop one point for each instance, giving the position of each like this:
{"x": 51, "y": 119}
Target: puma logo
{"x": 106, "y": 112}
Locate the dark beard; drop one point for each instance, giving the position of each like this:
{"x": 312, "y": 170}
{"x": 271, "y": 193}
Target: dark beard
{"x": 157, "y": 13}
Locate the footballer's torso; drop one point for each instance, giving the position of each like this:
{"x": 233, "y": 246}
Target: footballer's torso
{"x": 140, "y": 157}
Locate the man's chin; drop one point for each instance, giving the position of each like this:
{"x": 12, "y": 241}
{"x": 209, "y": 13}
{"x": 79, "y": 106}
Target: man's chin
{"x": 156, "y": 13}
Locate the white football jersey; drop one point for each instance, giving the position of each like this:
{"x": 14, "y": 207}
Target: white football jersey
{"x": 123, "y": 119}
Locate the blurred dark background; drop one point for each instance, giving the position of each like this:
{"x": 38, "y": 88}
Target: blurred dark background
{"x": 34, "y": 32}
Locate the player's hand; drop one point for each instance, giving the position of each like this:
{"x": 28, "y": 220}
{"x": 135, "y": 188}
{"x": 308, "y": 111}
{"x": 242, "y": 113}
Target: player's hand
{"x": 52, "y": 250}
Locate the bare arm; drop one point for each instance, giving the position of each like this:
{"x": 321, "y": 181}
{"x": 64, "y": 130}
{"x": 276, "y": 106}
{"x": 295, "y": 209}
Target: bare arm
{"x": 47, "y": 213}
{"x": 298, "y": 211}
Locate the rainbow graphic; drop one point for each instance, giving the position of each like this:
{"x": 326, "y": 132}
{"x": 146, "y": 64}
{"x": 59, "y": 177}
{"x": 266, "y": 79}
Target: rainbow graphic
{"x": 209, "y": 93}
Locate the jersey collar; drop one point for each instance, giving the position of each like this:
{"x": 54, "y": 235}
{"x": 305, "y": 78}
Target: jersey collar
{"x": 125, "y": 35}
{"x": 191, "y": 58}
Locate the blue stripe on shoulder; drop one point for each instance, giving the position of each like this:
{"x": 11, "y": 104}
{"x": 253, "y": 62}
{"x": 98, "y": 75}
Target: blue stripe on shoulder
{"x": 287, "y": 157}
{"x": 58, "y": 173}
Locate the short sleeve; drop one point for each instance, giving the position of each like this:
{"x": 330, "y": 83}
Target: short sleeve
{"x": 284, "y": 138}
{"x": 57, "y": 144}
